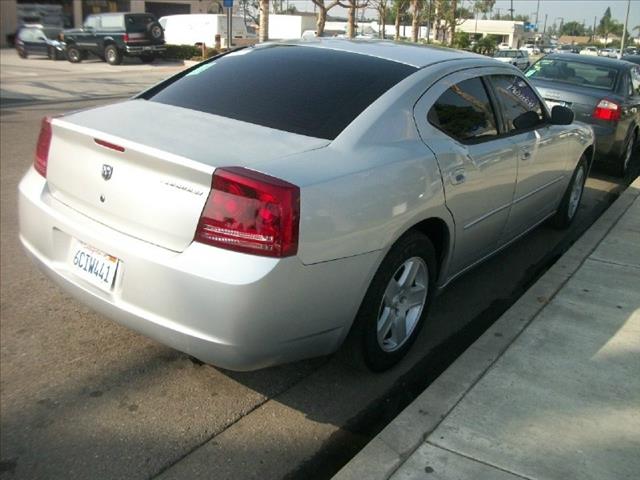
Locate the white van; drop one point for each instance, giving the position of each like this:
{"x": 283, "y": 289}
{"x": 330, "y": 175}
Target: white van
{"x": 199, "y": 28}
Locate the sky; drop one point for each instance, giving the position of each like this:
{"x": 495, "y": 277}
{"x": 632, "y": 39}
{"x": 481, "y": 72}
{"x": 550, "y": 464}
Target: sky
{"x": 578, "y": 10}
{"x": 571, "y": 10}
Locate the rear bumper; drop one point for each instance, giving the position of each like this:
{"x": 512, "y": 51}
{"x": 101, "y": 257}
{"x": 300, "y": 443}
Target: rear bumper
{"x": 139, "y": 49}
{"x": 229, "y": 309}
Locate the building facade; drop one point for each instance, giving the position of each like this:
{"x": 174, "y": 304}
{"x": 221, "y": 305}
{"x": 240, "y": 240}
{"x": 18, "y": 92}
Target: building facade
{"x": 71, "y": 13}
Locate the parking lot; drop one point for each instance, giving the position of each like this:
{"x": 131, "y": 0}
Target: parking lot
{"x": 83, "y": 397}
{"x": 38, "y": 79}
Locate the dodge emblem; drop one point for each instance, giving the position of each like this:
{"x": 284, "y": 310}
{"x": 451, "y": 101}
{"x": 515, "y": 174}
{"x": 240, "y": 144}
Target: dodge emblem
{"x": 107, "y": 171}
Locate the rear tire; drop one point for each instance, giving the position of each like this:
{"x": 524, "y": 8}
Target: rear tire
{"x": 74, "y": 55}
{"x": 395, "y": 305}
{"x": 22, "y": 53}
{"x": 112, "y": 55}
{"x": 621, "y": 168}
{"x": 566, "y": 213}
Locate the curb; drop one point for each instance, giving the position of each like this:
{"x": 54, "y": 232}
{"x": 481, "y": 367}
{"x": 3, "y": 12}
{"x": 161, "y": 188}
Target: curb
{"x": 381, "y": 457}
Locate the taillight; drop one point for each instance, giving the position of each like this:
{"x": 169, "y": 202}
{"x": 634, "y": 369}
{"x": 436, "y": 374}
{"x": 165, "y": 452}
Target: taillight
{"x": 607, "y": 110}
{"x": 42, "y": 148}
{"x": 125, "y": 38}
{"x": 251, "y": 212}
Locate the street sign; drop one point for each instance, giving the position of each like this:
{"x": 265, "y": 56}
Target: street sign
{"x": 227, "y": 3}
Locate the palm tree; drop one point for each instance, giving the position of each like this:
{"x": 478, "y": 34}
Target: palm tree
{"x": 264, "y": 20}
{"x": 400, "y": 8}
{"x": 416, "y": 10}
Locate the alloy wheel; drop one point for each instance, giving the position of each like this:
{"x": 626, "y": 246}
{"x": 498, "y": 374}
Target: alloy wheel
{"x": 576, "y": 192}
{"x": 402, "y": 304}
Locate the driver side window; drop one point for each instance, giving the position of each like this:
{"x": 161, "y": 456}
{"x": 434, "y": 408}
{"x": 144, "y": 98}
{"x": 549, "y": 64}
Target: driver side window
{"x": 518, "y": 101}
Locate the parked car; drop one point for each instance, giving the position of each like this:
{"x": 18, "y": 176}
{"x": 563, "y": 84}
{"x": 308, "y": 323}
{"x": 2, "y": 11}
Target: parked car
{"x": 530, "y": 48}
{"x": 602, "y": 92}
{"x": 591, "y": 51}
{"x": 311, "y": 34}
{"x": 519, "y": 58}
{"x": 39, "y": 40}
{"x": 632, "y": 58}
{"x": 112, "y": 36}
{"x": 200, "y": 28}
{"x": 250, "y": 229}
{"x": 604, "y": 52}
{"x": 504, "y": 46}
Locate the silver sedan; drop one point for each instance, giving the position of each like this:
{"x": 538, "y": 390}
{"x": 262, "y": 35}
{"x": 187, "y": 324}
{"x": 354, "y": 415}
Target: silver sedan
{"x": 268, "y": 204}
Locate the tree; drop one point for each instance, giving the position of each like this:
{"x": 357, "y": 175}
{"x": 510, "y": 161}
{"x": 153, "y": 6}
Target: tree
{"x": 416, "y": 9}
{"x": 400, "y": 7}
{"x": 573, "y": 28}
{"x": 264, "y": 21}
{"x": 323, "y": 8}
{"x": 484, "y": 6}
{"x": 381, "y": 6}
{"x": 351, "y": 6}
{"x": 608, "y": 26}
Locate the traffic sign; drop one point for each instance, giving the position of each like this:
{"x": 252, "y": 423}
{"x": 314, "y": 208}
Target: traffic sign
{"x": 227, "y": 3}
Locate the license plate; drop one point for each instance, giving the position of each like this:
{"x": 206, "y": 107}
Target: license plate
{"x": 93, "y": 265}
{"x": 146, "y": 49}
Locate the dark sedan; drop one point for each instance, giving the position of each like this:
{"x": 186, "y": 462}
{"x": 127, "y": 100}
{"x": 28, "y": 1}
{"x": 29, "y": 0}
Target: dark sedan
{"x": 39, "y": 40}
{"x": 602, "y": 92}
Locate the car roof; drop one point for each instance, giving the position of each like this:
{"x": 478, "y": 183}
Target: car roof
{"x": 415, "y": 55}
{"x": 592, "y": 60}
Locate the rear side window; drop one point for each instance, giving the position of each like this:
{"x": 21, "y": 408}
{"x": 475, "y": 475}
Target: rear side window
{"x": 311, "y": 91}
{"x": 464, "y": 112}
{"x": 516, "y": 97}
{"x": 112, "y": 22}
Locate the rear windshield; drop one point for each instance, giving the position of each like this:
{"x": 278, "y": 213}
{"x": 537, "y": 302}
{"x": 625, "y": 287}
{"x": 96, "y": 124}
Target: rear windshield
{"x": 577, "y": 73}
{"x": 306, "y": 90}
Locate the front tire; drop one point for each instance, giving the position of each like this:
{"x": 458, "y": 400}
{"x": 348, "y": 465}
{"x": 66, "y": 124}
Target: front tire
{"x": 112, "y": 55}
{"x": 395, "y": 305}
{"x": 566, "y": 213}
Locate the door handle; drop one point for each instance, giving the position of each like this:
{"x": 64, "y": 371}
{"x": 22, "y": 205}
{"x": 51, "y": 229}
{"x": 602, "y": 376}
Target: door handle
{"x": 526, "y": 155}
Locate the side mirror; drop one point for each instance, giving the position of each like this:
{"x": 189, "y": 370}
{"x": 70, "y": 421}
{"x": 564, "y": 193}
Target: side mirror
{"x": 527, "y": 120}
{"x": 561, "y": 115}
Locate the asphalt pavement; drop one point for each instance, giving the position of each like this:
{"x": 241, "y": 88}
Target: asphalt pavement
{"x": 38, "y": 79}
{"x": 83, "y": 397}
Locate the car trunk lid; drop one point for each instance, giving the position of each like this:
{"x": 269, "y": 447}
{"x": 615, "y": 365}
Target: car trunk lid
{"x": 582, "y": 100}
{"x": 145, "y": 168}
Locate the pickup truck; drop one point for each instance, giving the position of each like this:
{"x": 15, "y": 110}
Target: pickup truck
{"x": 112, "y": 36}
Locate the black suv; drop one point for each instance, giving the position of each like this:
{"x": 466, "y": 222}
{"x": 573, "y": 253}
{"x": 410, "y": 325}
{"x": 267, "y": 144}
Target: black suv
{"x": 111, "y": 36}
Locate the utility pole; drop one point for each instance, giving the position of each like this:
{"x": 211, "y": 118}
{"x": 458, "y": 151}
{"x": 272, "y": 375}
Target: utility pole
{"x": 593, "y": 35}
{"x": 544, "y": 30}
{"x": 624, "y": 29}
{"x": 537, "y": 13}
{"x": 511, "y": 10}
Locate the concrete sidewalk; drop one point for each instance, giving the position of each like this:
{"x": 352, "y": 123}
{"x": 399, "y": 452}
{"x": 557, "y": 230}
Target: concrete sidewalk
{"x": 550, "y": 391}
